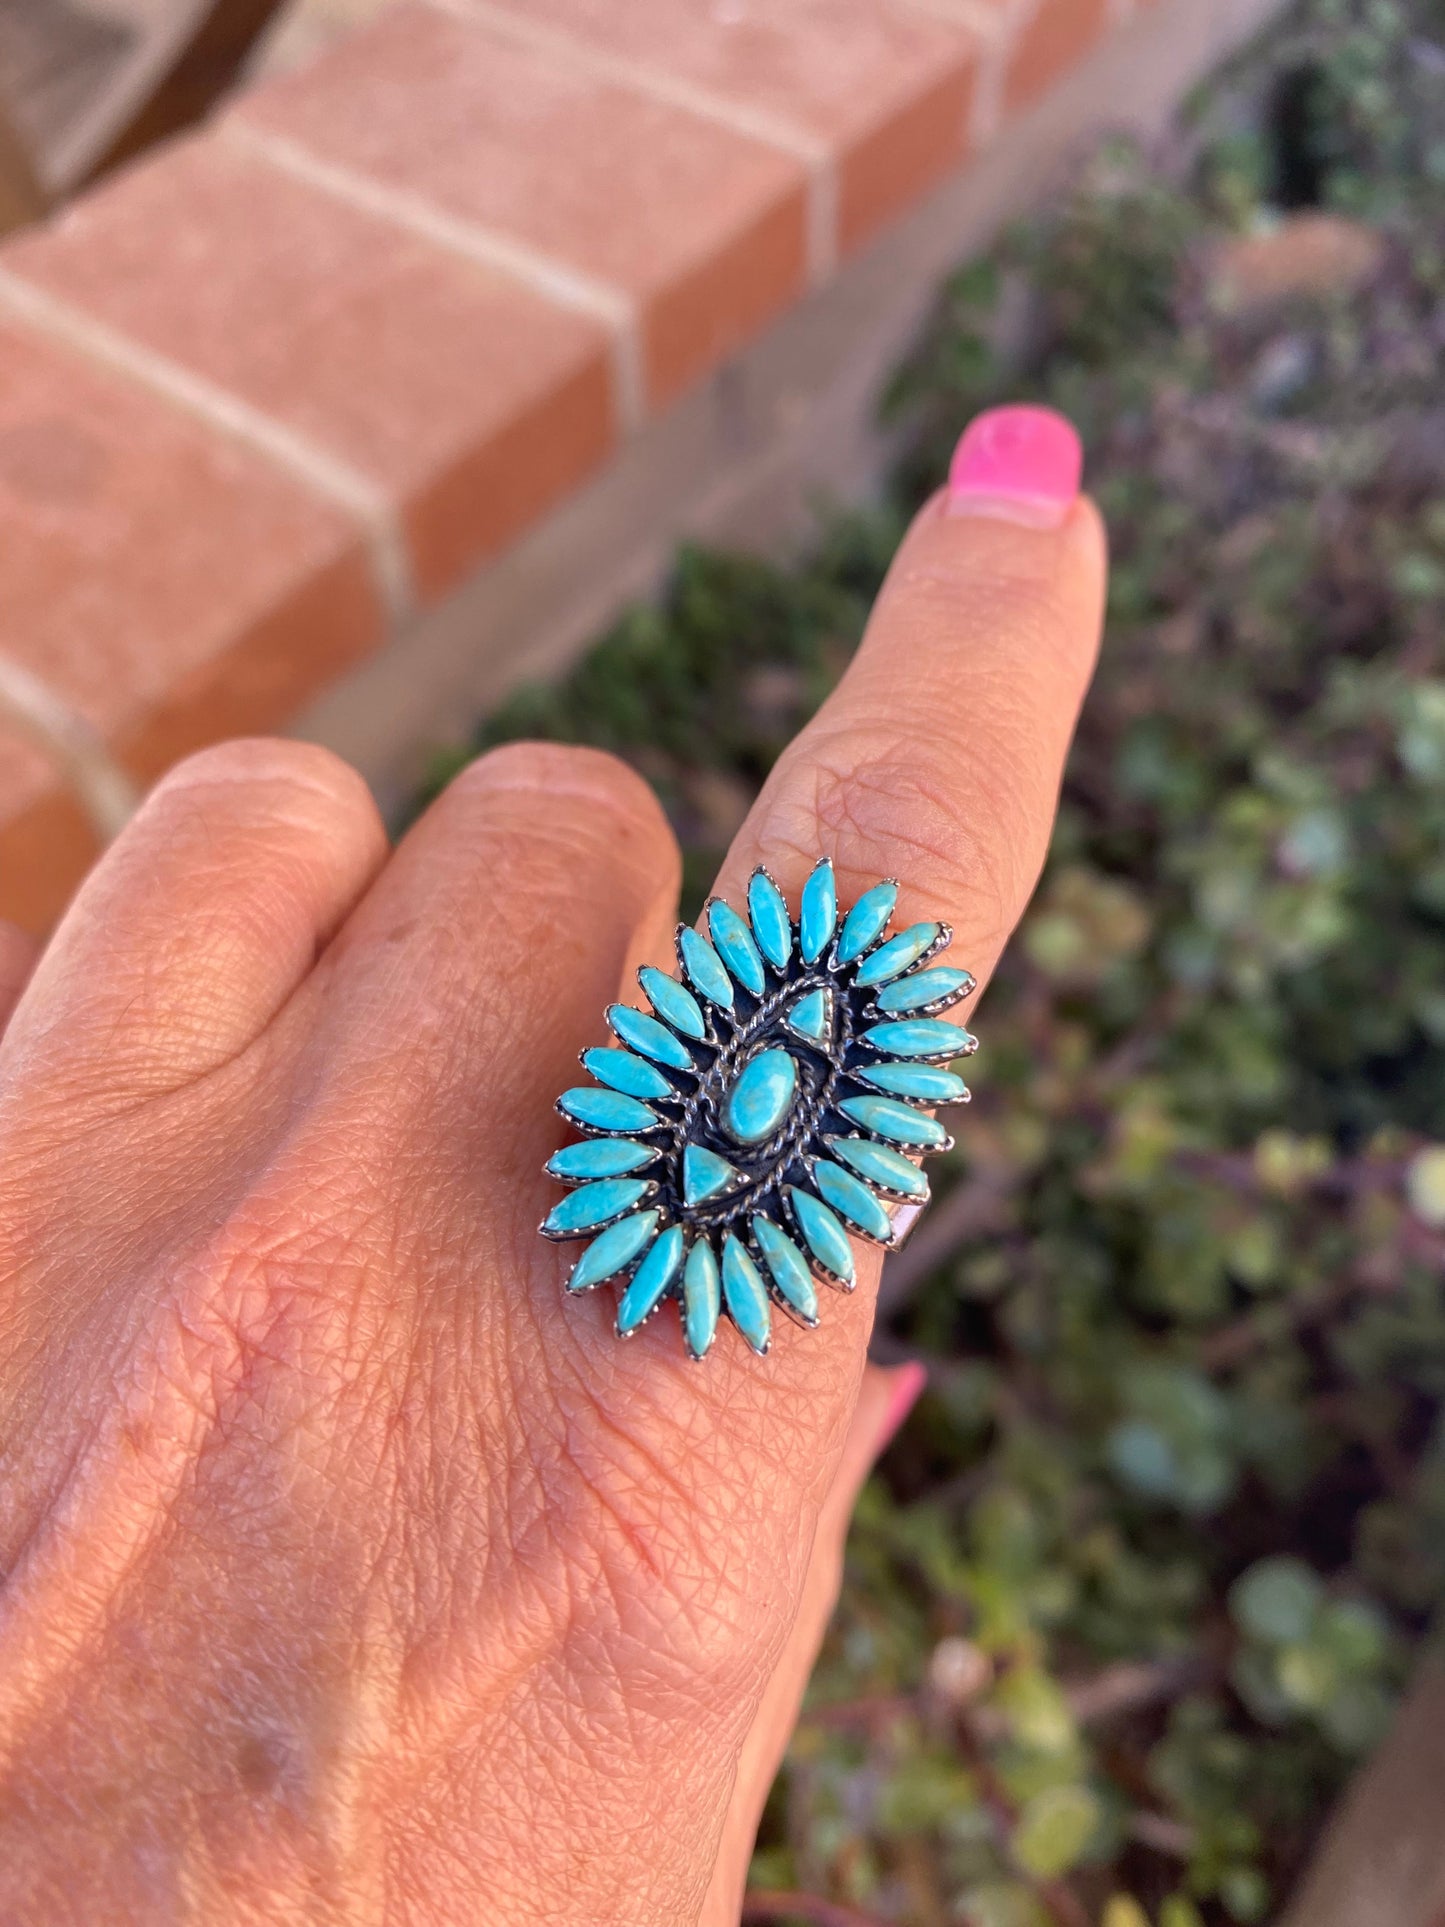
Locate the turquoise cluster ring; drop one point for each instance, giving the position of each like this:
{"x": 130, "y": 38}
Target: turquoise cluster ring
{"x": 777, "y": 1096}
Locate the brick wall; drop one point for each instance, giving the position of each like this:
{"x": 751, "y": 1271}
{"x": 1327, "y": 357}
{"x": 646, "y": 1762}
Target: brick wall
{"x": 281, "y": 388}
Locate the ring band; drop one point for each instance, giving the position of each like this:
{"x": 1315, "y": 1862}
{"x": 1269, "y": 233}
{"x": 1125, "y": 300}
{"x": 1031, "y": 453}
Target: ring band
{"x": 778, "y": 1095}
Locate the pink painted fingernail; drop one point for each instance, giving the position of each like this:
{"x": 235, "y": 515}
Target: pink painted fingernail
{"x": 1017, "y": 465}
{"x": 908, "y": 1383}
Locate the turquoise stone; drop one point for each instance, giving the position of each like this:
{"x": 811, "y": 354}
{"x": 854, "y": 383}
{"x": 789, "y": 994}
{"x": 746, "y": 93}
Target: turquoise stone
{"x": 866, "y": 921}
{"x": 650, "y": 1280}
{"x": 760, "y": 1095}
{"x": 812, "y": 1016}
{"x": 881, "y": 1165}
{"x": 818, "y": 916}
{"x": 701, "y": 1298}
{"x": 645, "y": 1034}
{"x": 788, "y": 1269}
{"x": 672, "y": 1001}
{"x": 926, "y": 1083}
{"x": 923, "y": 1037}
{"x": 615, "y": 1249}
{"x": 772, "y": 926}
{"x": 746, "y": 1294}
{"x": 619, "y": 1070}
{"x": 606, "y": 1110}
{"x": 898, "y": 954}
{"x": 733, "y": 942}
{"x": 596, "y": 1204}
{"x": 705, "y": 1175}
{"x": 823, "y": 1234}
{"x": 600, "y": 1157}
{"x": 884, "y": 1117}
{"x": 853, "y": 1200}
{"x": 705, "y": 969}
{"x": 928, "y": 987}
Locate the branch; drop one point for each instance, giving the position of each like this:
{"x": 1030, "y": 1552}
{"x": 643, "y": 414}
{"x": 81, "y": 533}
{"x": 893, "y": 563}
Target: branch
{"x": 778, "y": 1905}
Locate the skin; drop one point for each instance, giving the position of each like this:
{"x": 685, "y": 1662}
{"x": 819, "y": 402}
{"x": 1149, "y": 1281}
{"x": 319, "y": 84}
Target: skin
{"x": 350, "y": 1571}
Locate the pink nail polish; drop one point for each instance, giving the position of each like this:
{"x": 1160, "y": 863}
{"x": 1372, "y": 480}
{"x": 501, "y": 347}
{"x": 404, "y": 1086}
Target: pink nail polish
{"x": 908, "y": 1383}
{"x": 1017, "y": 465}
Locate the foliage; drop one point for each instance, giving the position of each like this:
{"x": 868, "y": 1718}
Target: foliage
{"x": 1139, "y": 1582}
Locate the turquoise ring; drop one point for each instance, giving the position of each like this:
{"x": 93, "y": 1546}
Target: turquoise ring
{"x": 776, "y": 1097}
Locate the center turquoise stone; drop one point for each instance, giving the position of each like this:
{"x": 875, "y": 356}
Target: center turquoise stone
{"x": 759, "y": 1098}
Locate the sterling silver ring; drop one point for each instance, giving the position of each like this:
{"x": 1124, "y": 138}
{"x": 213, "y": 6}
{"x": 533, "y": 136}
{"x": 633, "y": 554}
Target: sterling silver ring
{"x": 778, "y": 1096}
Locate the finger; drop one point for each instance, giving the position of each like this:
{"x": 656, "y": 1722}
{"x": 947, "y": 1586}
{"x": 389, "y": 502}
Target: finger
{"x": 885, "y": 1399}
{"x": 480, "y": 962}
{"x": 18, "y": 951}
{"x": 938, "y": 758}
{"x": 200, "y": 920}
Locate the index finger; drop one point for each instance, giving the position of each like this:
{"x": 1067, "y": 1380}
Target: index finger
{"x": 937, "y": 763}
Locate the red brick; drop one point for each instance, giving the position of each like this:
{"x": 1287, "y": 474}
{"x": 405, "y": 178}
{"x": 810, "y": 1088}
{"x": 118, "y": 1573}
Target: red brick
{"x": 469, "y": 402}
{"x": 636, "y": 194}
{"x": 885, "y": 92}
{"x": 169, "y": 585}
{"x": 44, "y": 852}
{"x": 1054, "y": 39}
{"x": 891, "y": 167}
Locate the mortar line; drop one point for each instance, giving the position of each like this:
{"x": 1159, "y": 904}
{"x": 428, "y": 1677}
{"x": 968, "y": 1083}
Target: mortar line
{"x": 735, "y": 117}
{"x": 322, "y": 474}
{"x": 532, "y": 268}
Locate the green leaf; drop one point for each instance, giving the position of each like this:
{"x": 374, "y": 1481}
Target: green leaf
{"x": 1053, "y": 1830}
{"x": 1276, "y": 1600}
{"x": 1123, "y": 1910}
{"x": 1425, "y": 1185}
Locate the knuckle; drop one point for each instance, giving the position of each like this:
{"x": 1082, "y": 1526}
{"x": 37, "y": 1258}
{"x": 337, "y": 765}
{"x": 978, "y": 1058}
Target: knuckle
{"x": 919, "y": 805}
{"x": 566, "y": 771}
{"x": 575, "y": 800}
{"x": 279, "y": 774}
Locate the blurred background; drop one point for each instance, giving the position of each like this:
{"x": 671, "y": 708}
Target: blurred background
{"x": 1142, "y": 1607}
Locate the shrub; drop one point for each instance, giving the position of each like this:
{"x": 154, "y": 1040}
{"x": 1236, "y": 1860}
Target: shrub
{"x": 1139, "y": 1583}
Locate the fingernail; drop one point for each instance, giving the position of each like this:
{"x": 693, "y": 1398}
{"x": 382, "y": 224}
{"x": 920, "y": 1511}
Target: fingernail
{"x": 1017, "y": 465}
{"x": 908, "y": 1383}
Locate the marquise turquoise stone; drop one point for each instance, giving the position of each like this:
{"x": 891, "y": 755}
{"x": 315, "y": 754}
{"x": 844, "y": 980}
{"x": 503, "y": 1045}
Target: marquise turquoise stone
{"x": 600, "y": 1157}
{"x": 887, "y": 1118}
{"x": 772, "y": 926}
{"x": 818, "y": 915}
{"x": 746, "y": 1294}
{"x": 898, "y": 954}
{"x": 812, "y": 1016}
{"x": 613, "y": 1251}
{"x": 853, "y": 1200}
{"x": 701, "y": 1298}
{"x": 705, "y": 1175}
{"x": 880, "y": 1165}
{"x": 866, "y": 921}
{"x": 645, "y": 1034}
{"x": 705, "y": 969}
{"x": 925, "y": 1083}
{"x": 923, "y": 1037}
{"x": 619, "y": 1070}
{"x": 927, "y": 987}
{"x": 823, "y": 1234}
{"x": 673, "y": 1001}
{"x": 788, "y": 1269}
{"x": 606, "y": 1110}
{"x": 650, "y": 1280}
{"x": 733, "y": 942}
{"x": 759, "y": 1098}
{"x": 596, "y": 1204}
{"x": 742, "y": 1072}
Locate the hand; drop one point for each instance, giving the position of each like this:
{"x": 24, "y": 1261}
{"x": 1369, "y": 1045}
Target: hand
{"x": 351, "y": 1572}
